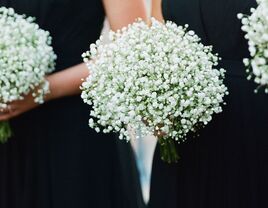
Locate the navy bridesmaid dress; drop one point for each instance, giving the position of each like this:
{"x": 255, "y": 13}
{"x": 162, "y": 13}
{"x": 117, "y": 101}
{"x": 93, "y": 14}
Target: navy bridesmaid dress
{"x": 226, "y": 166}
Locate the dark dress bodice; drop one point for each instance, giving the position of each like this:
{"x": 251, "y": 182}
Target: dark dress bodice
{"x": 225, "y": 166}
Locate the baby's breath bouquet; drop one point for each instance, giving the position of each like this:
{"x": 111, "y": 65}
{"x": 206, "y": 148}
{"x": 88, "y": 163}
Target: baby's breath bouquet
{"x": 256, "y": 28}
{"x": 25, "y": 58}
{"x": 157, "y": 79}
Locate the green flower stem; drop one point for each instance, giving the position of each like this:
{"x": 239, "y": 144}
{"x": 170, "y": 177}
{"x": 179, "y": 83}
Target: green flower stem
{"x": 5, "y": 131}
{"x": 168, "y": 150}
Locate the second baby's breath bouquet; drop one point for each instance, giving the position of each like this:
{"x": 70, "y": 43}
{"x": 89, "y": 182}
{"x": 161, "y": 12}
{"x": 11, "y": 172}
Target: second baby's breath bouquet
{"x": 157, "y": 79}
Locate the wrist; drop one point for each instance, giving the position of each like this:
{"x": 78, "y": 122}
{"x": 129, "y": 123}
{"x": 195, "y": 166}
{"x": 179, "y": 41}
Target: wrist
{"x": 49, "y": 95}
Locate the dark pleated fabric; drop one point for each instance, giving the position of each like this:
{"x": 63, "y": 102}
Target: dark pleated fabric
{"x": 226, "y": 166}
{"x": 54, "y": 160}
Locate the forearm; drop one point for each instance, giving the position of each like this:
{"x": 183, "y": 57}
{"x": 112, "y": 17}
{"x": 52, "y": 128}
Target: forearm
{"x": 157, "y": 10}
{"x": 66, "y": 82}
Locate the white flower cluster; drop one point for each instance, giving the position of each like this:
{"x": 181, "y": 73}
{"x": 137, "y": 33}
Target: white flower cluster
{"x": 156, "y": 78}
{"x": 256, "y": 28}
{"x": 25, "y": 57}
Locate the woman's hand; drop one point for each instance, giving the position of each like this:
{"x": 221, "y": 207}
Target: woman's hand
{"x": 158, "y": 133}
{"x": 17, "y": 108}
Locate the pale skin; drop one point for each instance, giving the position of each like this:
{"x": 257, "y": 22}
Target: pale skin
{"x": 67, "y": 82}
